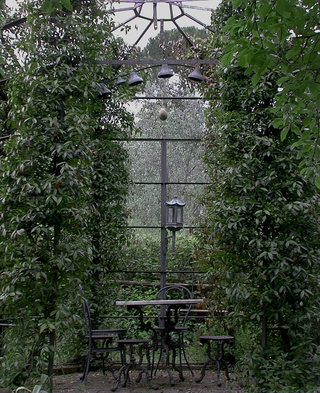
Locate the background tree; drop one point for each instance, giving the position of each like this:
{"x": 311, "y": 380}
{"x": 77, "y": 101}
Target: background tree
{"x": 185, "y": 120}
{"x": 261, "y": 241}
{"x": 64, "y": 181}
{"x": 284, "y": 36}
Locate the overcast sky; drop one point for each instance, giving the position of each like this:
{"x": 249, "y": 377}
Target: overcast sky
{"x": 138, "y": 25}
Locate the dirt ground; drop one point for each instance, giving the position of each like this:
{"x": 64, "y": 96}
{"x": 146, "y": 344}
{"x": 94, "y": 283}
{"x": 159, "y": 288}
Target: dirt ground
{"x": 99, "y": 383}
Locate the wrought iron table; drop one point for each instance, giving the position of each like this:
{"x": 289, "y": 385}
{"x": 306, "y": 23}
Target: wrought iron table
{"x": 143, "y": 345}
{"x": 168, "y": 325}
{"x": 219, "y": 357}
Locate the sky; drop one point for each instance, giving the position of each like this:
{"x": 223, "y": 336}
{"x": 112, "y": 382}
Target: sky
{"x": 138, "y": 25}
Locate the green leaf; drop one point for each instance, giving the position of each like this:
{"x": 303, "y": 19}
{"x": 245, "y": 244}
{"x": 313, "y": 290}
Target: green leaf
{"x": 283, "y": 79}
{"x": 309, "y": 3}
{"x": 277, "y": 123}
{"x": 236, "y": 3}
{"x": 48, "y": 6}
{"x": 264, "y": 10}
{"x": 317, "y": 182}
{"x": 67, "y": 5}
{"x": 225, "y": 60}
{"x": 282, "y": 8}
{"x": 255, "y": 79}
{"x": 284, "y": 134}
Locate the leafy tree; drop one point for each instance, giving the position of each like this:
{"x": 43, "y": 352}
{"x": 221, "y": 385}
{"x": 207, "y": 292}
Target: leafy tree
{"x": 261, "y": 241}
{"x": 64, "y": 178}
{"x": 171, "y": 41}
{"x": 284, "y": 36}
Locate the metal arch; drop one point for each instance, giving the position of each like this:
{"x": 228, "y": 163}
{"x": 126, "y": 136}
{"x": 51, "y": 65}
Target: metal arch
{"x": 138, "y": 7}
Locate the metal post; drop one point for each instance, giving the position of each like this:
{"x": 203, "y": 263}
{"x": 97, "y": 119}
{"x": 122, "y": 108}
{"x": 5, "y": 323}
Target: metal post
{"x": 163, "y": 257}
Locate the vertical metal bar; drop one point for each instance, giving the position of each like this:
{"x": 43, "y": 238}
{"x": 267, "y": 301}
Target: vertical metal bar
{"x": 155, "y": 17}
{"x": 163, "y": 257}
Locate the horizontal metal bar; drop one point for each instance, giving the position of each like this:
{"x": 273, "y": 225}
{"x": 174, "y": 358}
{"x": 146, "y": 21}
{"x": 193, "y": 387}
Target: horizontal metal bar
{"x": 155, "y": 316}
{"x": 159, "y": 62}
{"x": 141, "y": 2}
{"x": 159, "y": 227}
{"x": 182, "y": 183}
{"x": 158, "y": 139}
{"x": 157, "y": 271}
{"x": 170, "y": 98}
{"x": 14, "y": 23}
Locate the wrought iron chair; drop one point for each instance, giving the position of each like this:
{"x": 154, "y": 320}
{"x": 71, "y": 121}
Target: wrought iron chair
{"x": 172, "y": 321}
{"x": 99, "y": 342}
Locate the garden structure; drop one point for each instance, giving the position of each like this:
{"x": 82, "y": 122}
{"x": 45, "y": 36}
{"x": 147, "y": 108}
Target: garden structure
{"x": 71, "y": 153}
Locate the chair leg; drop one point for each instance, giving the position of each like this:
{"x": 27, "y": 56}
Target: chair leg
{"x": 152, "y": 362}
{"x": 185, "y": 355}
{"x": 86, "y": 368}
{"x": 158, "y": 363}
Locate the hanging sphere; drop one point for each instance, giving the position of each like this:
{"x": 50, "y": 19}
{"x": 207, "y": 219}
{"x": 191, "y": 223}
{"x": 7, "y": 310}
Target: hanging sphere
{"x": 163, "y": 114}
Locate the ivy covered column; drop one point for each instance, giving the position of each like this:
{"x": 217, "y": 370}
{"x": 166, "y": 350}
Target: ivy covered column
{"x": 61, "y": 161}
{"x": 261, "y": 242}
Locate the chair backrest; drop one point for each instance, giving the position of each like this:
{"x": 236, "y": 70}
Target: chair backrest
{"x": 86, "y": 311}
{"x": 174, "y": 292}
{"x": 86, "y": 314}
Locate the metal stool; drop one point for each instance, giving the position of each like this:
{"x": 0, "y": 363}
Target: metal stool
{"x": 218, "y": 359}
{"x": 142, "y": 344}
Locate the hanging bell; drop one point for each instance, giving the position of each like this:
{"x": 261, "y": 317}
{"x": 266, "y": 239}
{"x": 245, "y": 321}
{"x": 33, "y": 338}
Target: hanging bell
{"x": 120, "y": 81}
{"x": 103, "y": 91}
{"x": 196, "y": 75}
{"x": 165, "y": 72}
{"x": 134, "y": 79}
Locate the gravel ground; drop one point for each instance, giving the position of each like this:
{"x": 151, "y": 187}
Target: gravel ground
{"x": 99, "y": 383}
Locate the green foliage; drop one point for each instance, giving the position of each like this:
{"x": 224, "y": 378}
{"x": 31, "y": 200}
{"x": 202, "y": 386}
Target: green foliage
{"x": 64, "y": 179}
{"x": 51, "y": 6}
{"x": 172, "y": 42}
{"x": 142, "y": 254}
{"x": 283, "y": 36}
{"x": 36, "y": 388}
{"x": 262, "y": 226}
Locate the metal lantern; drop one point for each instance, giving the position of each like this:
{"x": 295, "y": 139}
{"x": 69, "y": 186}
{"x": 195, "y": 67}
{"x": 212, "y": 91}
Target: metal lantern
{"x": 174, "y": 217}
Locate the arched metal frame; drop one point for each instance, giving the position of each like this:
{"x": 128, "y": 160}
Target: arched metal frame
{"x": 138, "y": 7}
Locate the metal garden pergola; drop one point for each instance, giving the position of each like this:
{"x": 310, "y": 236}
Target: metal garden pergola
{"x": 175, "y": 11}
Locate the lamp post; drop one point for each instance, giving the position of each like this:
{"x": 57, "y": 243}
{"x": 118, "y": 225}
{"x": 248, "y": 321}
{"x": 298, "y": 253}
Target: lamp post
{"x": 171, "y": 216}
{"x": 164, "y": 180}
